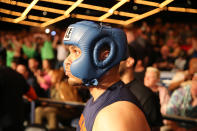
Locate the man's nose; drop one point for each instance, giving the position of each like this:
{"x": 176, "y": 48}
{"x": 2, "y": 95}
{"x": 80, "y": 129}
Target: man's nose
{"x": 68, "y": 61}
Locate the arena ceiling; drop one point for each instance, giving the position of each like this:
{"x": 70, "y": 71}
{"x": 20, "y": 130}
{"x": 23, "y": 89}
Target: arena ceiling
{"x": 43, "y": 13}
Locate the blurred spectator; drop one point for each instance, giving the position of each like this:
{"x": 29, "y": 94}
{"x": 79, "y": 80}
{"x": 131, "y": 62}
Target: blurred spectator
{"x": 184, "y": 99}
{"x": 44, "y": 76}
{"x": 15, "y": 62}
{"x": 29, "y": 48}
{"x": 10, "y": 55}
{"x": 62, "y": 51}
{"x": 13, "y": 87}
{"x": 182, "y": 77}
{"x": 31, "y": 80}
{"x": 193, "y": 51}
{"x": 151, "y": 80}
{"x": 170, "y": 38}
{"x": 33, "y": 65}
{"x": 176, "y": 49}
{"x": 45, "y": 47}
{"x": 164, "y": 62}
{"x": 180, "y": 62}
{"x": 183, "y": 102}
{"x": 60, "y": 91}
{"x": 137, "y": 40}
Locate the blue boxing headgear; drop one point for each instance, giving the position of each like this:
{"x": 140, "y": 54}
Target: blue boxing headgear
{"x": 91, "y": 38}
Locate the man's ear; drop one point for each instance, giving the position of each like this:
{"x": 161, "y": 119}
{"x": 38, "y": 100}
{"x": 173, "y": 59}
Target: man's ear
{"x": 130, "y": 62}
{"x": 104, "y": 55}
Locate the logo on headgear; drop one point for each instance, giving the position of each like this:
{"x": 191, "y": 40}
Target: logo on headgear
{"x": 68, "y": 33}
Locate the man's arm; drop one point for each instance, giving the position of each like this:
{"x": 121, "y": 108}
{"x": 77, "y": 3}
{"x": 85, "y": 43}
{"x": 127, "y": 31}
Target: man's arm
{"x": 121, "y": 116}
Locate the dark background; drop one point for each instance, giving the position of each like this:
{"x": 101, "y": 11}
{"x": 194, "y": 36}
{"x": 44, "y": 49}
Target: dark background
{"x": 166, "y": 16}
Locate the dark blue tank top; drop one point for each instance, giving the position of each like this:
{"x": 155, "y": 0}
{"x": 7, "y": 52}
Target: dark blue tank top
{"x": 116, "y": 92}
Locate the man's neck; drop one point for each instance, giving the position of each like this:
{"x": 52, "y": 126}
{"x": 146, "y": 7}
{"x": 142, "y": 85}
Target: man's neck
{"x": 97, "y": 91}
{"x": 104, "y": 84}
{"x": 127, "y": 76}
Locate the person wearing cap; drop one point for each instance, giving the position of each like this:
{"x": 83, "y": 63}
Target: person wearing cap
{"x": 95, "y": 54}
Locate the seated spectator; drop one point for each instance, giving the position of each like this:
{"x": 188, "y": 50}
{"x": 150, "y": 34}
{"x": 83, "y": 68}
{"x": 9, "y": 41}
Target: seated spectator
{"x": 164, "y": 62}
{"x": 31, "y": 80}
{"x": 180, "y": 62}
{"x": 33, "y": 65}
{"x": 193, "y": 51}
{"x": 183, "y": 76}
{"x": 183, "y": 101}
{"x": 151, "y": 80}
{"x": 15, "y": 62}
{"x": 176, "y": 49}
{"x": 60, "y": 91}
{"x": 44, "y": 76}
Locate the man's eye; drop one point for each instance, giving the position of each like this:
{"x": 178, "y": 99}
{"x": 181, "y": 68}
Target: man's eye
{"x": 76, "y": 52}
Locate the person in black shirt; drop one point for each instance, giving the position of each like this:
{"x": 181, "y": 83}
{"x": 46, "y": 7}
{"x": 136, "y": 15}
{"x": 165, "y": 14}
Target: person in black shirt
{"x": 12, "y": 87}
{"x": 148, "y": 100}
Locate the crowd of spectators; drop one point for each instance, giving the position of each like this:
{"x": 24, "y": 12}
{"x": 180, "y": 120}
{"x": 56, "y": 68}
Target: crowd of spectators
{"x": 39, "y": 57}
{"x": 167, "y": 48}
{"x": 159, "y": 47}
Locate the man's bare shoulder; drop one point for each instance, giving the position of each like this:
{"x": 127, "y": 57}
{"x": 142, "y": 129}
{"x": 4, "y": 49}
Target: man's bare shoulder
{"x": 121, "y": 115}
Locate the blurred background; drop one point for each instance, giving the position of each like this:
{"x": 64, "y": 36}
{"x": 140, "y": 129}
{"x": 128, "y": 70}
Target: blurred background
{"x": 162, "y": 33}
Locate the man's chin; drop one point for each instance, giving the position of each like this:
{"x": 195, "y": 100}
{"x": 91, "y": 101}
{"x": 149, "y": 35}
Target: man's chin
{"x": 75, "y": 82}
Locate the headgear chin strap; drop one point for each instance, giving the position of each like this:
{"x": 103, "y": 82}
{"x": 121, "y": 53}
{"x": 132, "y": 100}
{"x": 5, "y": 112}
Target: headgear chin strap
{"x": 91, "y": 38}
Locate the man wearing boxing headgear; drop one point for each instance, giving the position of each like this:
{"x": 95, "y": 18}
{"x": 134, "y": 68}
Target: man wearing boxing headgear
{"x": 95, "y": 55}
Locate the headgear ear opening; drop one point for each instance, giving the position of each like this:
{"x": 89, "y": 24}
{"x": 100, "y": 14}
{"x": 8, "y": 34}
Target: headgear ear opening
{"x": 106, "y": 41}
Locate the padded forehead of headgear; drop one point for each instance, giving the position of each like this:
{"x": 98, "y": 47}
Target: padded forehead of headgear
{"x": 87, "y": 36}
{"x": 75, "y": 32}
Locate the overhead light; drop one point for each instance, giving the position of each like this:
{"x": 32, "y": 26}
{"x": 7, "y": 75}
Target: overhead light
{"x": 92, "y": 7}
{"x": 53, "y": 33}
{"x": 23, "y": 16}
{"x": 21, "y": 22}
{"x": 166, "y": 2}
{"x": 93, "y": 18}
{"x": 64, "y": 16}
{"x": 31, "y": 17}
{"x": 189, "y": 2}
{"x": 54, "y": 20}
{"x": 179, "y": 9}
{"x": 149, "y": 13}
{"x": 71, "y": 8}
{"x": 134, "y": 7}
{"x": 110, "y": 12}
{"x": 9, "y": 12}
{"x": 47, "y": 30}
{"x": 149, "y": 3}
{"x": 44, "y": 13}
